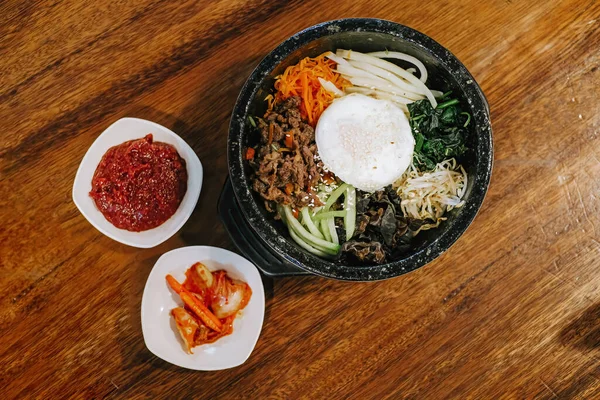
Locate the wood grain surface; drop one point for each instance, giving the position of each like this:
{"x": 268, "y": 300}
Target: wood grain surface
{"x": 511, "y": 311}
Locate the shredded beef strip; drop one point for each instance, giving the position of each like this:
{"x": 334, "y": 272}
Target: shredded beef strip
{"x": 285, "y": 175}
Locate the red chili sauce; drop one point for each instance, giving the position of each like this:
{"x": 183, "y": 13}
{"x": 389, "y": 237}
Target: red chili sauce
{"x": 139, "y": 184}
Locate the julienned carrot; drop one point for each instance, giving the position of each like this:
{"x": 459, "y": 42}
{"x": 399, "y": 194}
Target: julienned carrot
{"x": 289, "y": 139}
{"x": 195, "y": 304}
{"x": 201, "y": 311}
{"x": 306, "y": 96}
{"x": 302, "y": 80}
{"x": 176, "y": 286}
{"x": 289, "y": 188}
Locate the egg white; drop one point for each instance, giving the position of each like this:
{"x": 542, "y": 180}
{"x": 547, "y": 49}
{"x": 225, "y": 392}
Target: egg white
{"x": 366, "y": 142}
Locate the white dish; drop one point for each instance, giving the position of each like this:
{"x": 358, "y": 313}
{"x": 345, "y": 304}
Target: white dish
{"x": 121, "y": 131}
{"x": 160, "y": 333}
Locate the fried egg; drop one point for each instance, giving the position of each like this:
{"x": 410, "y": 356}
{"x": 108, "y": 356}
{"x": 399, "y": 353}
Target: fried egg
{"x": 364, "y": 141}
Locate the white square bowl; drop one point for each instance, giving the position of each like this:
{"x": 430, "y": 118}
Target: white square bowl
{"x": 159, "y": 329}
{"x": 121, "y": 131}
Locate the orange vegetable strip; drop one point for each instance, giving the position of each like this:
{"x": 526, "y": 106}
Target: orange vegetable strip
{"x": 195, "y": 304}
{"x": 302, "y": 80}
{"x": 289, "y": 188}
{"x": 305, "y": 99}
{"x": 289, "y": 139}
{"x": 176, "y": 286}
{"x": 201, "y": 311}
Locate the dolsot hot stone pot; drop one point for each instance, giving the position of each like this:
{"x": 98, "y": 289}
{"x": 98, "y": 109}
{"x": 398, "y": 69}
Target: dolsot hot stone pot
{"x": 265, "y": 241}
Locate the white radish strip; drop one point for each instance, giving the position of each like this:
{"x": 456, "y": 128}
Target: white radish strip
{"x": 374, "y": 79}
{"x": 380, "y": 94}
{"x": 330, "y": 87}
{"x": 403, "y": 56}
{"x": 387, "y": 75}
{"x": 437, "y": 94}
{"x": 339, "y": 60}
{"x": 351, "y": 71}
{"x": 354, "y": 55}
{"x": 375, "y": 84}
{"x": 358, "y": 89}
{"x": 400, "y": 101}
{"x": 395, "y": 99}
{"x": 386, "y": 65}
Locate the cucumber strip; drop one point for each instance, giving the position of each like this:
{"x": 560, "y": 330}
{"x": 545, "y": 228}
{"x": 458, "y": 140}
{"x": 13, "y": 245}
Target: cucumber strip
{"x": 315, "y": 211}
{"x": 307, "y": 246}
{"x": 350, "y": 208}
{"x": 281, "y": 213}
{"x": 332, "y": 231}
{"x": 325, "y": 229}
{"x": 330, "y": 214}
{"x": 307, "y": 220}
{"x": 334, "y": 196}
{"x": 306, "y": 235}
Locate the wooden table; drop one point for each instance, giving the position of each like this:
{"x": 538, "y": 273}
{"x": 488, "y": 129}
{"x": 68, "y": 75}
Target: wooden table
{"x": 512, "y": 310}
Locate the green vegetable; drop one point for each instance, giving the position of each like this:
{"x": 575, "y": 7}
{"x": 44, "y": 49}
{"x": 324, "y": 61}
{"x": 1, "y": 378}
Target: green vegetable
{"x": 316, "y": 232}
{"x": 329, "y": 214}
{"x": 308, "y": 222}
{"x": 281, "y": 213}
{"x": 332, "y": 231}
{"x": 251, "y": 121}
{"x": 325, "y": 230}
{"x": 306, "y": 236}
{"x": 307, "y": 246}
{"x": 439, "y": 133}
{"x": 446, "y": 95}
{"x": 447, "y": 104}
{"x": 334, "y": 196}
{"x": 350, "y": 208}
{"x": 468, "y": 118}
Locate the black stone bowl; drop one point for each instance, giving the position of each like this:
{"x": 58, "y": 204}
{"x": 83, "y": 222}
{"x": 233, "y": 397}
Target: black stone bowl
{"x": 266, "y": 241}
